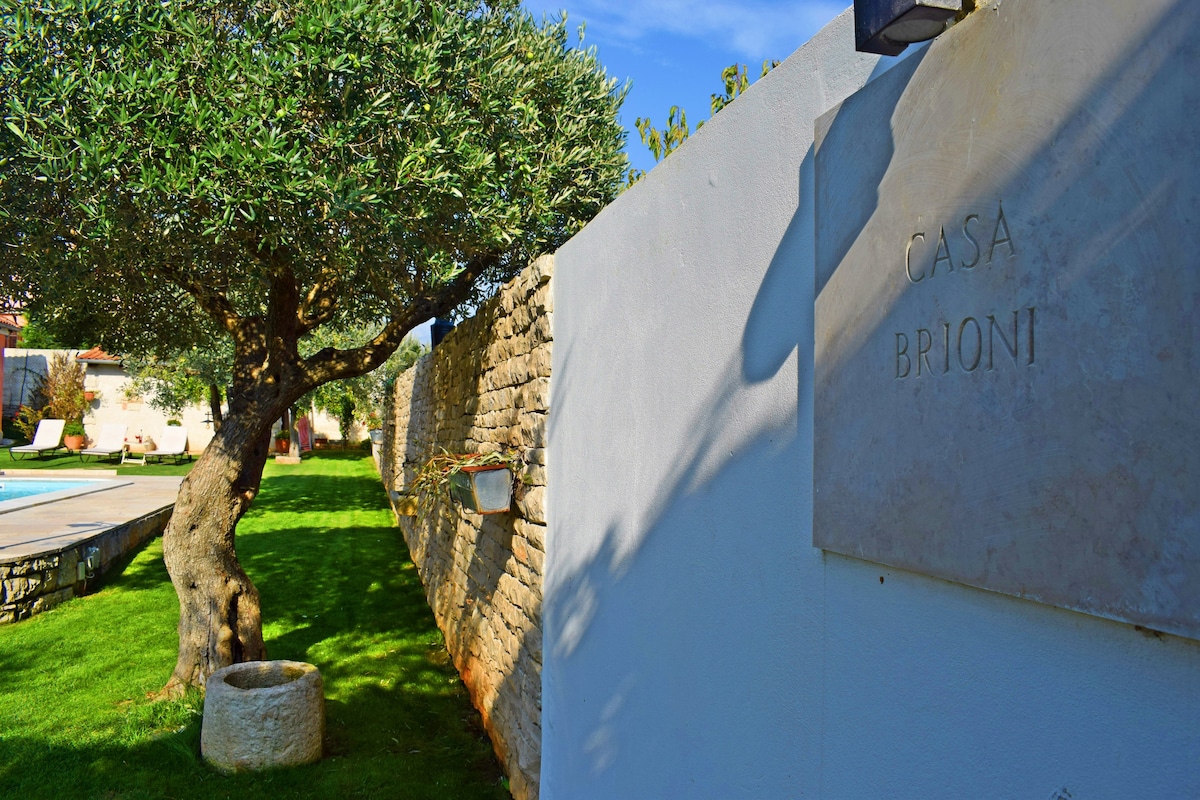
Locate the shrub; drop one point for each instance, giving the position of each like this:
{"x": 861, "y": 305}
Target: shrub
{"x": 26, "y": 421}
{"x": 62, "y": 386}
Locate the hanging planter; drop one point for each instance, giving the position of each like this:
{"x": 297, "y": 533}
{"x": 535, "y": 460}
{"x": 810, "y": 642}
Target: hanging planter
{"x": 404, "y": 504}
{"x": 479, "y": 482}
{"x": 483, "y": 489}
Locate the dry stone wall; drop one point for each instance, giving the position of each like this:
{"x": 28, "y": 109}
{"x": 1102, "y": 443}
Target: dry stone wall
{"x": 485, "y": 388}
{"x": 32, "y": 584}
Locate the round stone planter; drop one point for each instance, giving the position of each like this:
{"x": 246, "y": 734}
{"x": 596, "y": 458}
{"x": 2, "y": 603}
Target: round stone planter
{"x": 263, "y": 714}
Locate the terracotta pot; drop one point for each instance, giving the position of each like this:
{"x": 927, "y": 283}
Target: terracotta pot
{"x": 74, "y": 442}
{"x": 89, "y": 396}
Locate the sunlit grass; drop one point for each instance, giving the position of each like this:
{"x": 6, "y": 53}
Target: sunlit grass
{"x": 337, "y": 590}
{"x": 62, "y": 459}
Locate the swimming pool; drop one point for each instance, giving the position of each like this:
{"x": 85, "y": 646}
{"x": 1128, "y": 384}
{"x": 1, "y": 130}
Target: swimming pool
{"x": 17, "y": 493}
{"x": 13, "y": 488}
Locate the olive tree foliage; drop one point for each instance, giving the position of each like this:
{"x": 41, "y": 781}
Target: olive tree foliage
{"x": 662, "y": 143}
{"x": 168, "y": 165}
{"x": 269, "y": 168}
{"x": 355, "y": 399}
{"x": 187, "y": 377}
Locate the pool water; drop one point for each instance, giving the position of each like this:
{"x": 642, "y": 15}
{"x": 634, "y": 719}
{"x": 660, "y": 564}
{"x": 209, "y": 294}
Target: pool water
{"x": 18, "y": 493}
{"x": 12, "y": 488}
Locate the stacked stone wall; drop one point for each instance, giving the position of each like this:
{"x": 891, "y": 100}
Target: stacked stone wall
{"x": 32, "y": 584}
{"x": 485, "y": 388}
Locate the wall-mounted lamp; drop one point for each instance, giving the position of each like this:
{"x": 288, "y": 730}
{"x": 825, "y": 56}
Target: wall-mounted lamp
{"x": 441, "y": 326}
{"x": 887, "y": 27}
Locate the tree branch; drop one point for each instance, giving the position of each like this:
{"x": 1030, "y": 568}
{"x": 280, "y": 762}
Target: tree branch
{"x": 333, "y": 364}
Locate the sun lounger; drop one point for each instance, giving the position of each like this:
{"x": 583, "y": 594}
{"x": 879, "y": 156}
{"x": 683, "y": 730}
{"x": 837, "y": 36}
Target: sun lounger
{"x": 110, "y": 444}
{"x": 173, "y": 444}
{"x": 46, "y": 438}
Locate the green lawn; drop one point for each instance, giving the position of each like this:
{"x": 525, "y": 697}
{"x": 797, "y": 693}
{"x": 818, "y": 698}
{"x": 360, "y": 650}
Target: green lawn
{"x": 338, "y": 590}
{"x": 64, "y": 460}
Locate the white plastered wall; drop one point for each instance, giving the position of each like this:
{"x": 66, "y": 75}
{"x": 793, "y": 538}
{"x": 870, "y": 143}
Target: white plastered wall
{"x": 696, "y": 644}
{"x": 114, "y": 402}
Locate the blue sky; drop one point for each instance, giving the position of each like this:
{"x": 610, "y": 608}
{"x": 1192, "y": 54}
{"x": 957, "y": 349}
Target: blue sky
{"x": 674, "y": 50}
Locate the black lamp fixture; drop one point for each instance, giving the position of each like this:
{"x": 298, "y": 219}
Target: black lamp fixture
{"x": 441, "y": 326}
{"x": 887, "y": 27}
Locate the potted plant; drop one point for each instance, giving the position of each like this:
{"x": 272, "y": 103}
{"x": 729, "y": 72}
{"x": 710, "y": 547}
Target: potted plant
{"x": 283, "y": 441}
{"x": 375, "y": 428}
{"x": 62, "y": 388}
{"x": 74, "y": 435}
{"x": 479, "y": 482}
{"x": 131, "y": 397}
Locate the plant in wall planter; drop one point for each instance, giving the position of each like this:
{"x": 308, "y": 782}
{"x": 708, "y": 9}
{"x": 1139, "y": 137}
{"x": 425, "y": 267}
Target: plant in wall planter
{"x": 479, "y": 482}
{"x": 404, "y": 504}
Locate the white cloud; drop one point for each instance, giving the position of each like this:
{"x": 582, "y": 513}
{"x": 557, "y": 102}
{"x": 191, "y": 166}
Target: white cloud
{"x": 755, "y": 29}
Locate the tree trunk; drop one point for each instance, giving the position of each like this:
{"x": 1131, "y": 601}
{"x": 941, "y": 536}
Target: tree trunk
{"x": 214, "y": 404}
{"x": 220, "y": 622}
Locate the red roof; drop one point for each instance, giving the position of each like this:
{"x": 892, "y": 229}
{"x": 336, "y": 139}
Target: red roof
{"x": 96, "y": 354}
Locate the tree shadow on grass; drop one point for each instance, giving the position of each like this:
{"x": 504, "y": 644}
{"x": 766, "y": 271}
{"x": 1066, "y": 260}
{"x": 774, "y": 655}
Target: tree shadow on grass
{"x": 300, "y": 493}
{"x": 399, "y": 722}
{"x": 346, "y": 598}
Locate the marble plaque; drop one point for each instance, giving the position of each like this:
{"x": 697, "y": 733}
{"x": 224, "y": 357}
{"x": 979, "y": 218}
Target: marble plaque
{"x": 1007, "y": 388}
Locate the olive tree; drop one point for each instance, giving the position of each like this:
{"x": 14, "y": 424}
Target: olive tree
{"x": 269, "y": 168}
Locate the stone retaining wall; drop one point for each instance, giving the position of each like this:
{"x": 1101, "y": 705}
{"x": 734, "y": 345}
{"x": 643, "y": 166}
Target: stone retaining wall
{"x": 486, "y": 387}
{"x": 32, "y": 584}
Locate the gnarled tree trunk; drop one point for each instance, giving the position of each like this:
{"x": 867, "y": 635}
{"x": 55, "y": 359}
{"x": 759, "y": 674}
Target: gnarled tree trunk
{"x": 220, "y": 621}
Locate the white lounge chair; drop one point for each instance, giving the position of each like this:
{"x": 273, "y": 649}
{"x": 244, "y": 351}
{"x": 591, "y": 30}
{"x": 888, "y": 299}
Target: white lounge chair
{"x": 172, "y": 444}
{"x": 110, "y": 444}
{"x": 47, "y": 437}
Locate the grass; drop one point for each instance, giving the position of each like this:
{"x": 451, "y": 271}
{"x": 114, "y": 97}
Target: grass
{"x": 64, "y": 460}
{"x": 338, "y": 590}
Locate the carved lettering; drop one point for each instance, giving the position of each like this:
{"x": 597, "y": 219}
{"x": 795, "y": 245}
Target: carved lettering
{"x": 943, "y": 254}
{"x": 993, "y": 331}
{"x": 974, "y": 242}
{"x": 978, "y": 345}
{"x": 946, "y": 347}
{"x": 908, "y": 258}
{"x": 1001, "y": 222}
{"x": 964, "y": 343}
{"x": 964, "y": 340}
{"x": 902, "y": 352}
{"x": 924, "y": 342}
{"x": 970, "y": 246}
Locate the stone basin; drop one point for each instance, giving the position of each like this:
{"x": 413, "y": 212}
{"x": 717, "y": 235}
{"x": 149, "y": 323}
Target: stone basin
{"x": 263, "y": 714}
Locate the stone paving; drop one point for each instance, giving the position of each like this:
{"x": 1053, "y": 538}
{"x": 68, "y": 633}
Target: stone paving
{"x": 55, "y": 526}
{"x": 54, "y": 551}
